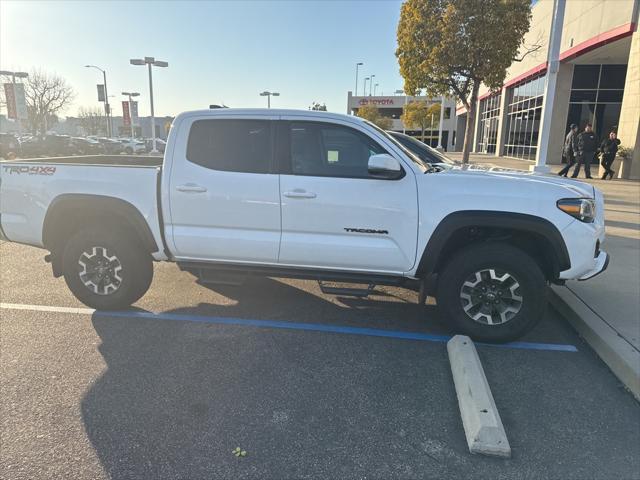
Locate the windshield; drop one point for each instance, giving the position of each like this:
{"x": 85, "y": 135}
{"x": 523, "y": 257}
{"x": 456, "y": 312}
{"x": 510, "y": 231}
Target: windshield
{"x": 418, "y": 148}
{"x": 412, "y": 156}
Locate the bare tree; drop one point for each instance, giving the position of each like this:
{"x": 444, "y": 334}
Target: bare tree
{"x": 92, "y": 120}
{"x": 46, "y": 95}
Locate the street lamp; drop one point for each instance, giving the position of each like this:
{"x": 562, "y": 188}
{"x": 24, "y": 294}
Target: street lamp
{"x": 375, "y": 87}
{"x": 364, "y": 89}
{"x": 13, "y": 76}
{"x": 269, "y": 95}
{"x": 357, "y": 65}
{"x": 371, "y": 84}
{"x": 441, "y": 122}
{"x": 107, "y": 108}
{"x": 150, "y": 61}
{"x": 131, "y": 94}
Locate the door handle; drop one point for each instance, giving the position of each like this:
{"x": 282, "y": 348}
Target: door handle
{"x": 191, "y": 188}
{"x": 299, "y": 193}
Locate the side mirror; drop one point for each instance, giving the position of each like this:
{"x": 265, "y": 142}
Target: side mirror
{"x": 384, "y": 166}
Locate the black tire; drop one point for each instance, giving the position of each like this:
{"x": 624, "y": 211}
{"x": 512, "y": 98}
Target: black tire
{"x": 128, "y": 151}
{"x": 492, "y": 260}
{"x": 135, "y": 270}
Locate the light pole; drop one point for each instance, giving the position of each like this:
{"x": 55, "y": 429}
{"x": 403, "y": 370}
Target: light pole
{"x": 371, "y": 84}
{"x": 269, "y": 95}
{"x": 357, "y": 65}
{"x": 401, "y": 92}
{"x": 13, "y": 76}
{"x": 375, "y": 87}
{"x": 107, "y": 108}
{"x": 150, "y": 61}
{"x": 364, "y": 89}
{"x": 441, "y": 121}
{"x": 131, "y": 94}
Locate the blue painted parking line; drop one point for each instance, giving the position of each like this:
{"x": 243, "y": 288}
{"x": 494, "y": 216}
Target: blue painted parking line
{"x": 315, "y": 327}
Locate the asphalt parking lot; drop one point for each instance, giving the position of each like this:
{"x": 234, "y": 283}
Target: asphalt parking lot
{"x": 171, "y": 394}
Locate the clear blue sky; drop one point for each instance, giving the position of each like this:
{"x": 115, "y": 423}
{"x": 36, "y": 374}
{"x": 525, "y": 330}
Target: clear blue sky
{"x": 217, "y": 51}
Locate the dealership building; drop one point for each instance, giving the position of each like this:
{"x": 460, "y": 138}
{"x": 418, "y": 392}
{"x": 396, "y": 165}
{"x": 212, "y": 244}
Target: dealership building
{"x": 391, "y": 107}
{"x": 598, "y": 82}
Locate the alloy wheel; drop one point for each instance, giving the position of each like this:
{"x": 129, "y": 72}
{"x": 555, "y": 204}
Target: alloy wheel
{"x": 100, "y": 270}
{"x": 491, "y": 297}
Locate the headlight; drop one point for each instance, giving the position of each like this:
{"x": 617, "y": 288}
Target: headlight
{"x": 584, "y": 209}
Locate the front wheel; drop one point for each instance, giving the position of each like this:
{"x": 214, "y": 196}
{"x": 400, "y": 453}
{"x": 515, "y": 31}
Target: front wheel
{"x": 106, "y": 269}
{"x": 492, "y": 292}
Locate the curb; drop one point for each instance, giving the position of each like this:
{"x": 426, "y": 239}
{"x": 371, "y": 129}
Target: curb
{"x": 480, "y": 418}
{"x": 617, "y": 353}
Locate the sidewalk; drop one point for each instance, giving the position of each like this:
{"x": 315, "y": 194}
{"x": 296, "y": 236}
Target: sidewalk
{"x": 606, "y": 309}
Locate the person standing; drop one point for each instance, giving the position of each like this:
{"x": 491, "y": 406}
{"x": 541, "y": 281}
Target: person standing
{"x": 570, "y": 149}
{"x": 587, "y": 146}
{"x": 609, "y": 148}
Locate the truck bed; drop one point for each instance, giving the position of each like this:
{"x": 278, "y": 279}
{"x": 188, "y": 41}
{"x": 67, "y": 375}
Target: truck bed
{"x": 115, "y": 160}
{"x": 28, "y": 187}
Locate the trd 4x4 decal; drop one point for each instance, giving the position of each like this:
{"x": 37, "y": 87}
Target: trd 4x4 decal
{"x": 26, "y": 170}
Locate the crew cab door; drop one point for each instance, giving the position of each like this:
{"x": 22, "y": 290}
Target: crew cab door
{"x": 334, "y": 214}
{"x": 224, "y": 198}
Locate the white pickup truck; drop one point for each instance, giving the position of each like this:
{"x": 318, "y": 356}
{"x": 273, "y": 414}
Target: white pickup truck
{"x": 309, "y": 195}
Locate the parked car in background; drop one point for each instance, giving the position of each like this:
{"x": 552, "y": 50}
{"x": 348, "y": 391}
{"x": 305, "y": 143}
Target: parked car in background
{"x": 57, "y": 145}
{"x": 160, "y": 145}
{"x": 132, "y": 145}
{"x": 111, "y": 146}
{"x": 49, "y": 145}
{"x": 30, "y": 146}
{"x": 86, "y": 146}
{"x": 422, "y": 151}
{"x": 9, "y": 146}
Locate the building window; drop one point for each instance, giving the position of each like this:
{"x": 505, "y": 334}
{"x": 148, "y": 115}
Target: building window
{"x": 524, "y": 111}
{"x": 489, "y": 120}
{"x": 596, "y": 97}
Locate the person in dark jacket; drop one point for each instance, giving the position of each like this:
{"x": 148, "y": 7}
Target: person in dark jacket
{"x": 609, "y": 148}
{"x": 587, "y": 147}
{"x": 570, "y": 149}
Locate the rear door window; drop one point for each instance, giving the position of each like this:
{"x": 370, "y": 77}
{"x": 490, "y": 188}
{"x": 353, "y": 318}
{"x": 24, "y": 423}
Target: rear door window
{"x": 231, "y": 145}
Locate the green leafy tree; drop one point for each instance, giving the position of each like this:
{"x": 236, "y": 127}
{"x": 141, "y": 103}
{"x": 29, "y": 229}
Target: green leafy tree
{"x": 371, "y": 113}
{"x": 421, "y": 114}
{"x": 451, "y": 47}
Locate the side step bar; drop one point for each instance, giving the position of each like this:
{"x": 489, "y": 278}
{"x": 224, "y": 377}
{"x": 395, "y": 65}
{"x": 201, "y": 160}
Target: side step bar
{"x": 351, "y": 292}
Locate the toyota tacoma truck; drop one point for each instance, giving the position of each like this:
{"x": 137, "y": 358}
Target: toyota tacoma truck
{"x": 309, "y": 195}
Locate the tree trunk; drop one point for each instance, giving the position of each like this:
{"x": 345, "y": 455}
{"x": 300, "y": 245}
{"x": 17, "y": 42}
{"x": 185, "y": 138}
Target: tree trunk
{"x": 471, "y": 122}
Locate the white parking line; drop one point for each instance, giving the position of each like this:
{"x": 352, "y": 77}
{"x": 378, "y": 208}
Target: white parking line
{"x": 47, "y": 308}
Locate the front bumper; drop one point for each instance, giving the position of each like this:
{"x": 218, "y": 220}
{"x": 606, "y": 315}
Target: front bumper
{"x": 602, "y": 262}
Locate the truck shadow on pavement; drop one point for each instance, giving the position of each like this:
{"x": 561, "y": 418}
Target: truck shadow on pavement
{"x": 177, "y": 397}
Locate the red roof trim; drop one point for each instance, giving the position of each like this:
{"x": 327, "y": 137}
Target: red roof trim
{"x": 598, "y": 41}
{"x": 580, "y": 49}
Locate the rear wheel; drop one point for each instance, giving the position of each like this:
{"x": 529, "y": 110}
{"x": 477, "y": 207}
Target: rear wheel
{"x": 128, "y": 150}
{"x": 106, "y": 269}
{"x": 492, "y": 292}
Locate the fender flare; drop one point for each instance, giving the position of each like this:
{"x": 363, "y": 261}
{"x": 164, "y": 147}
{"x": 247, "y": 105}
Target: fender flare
{"x": 521, "y": 222}
{"x": 69, "y": 203}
